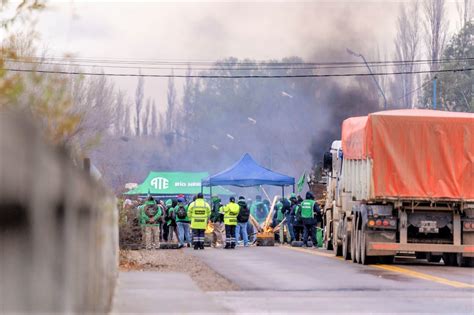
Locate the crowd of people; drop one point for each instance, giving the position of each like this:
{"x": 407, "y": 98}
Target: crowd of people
{"x": 230, "y": 224}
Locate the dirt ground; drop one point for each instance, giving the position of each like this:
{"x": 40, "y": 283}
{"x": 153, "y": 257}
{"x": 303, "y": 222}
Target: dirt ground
{"x": 177, "y": 261}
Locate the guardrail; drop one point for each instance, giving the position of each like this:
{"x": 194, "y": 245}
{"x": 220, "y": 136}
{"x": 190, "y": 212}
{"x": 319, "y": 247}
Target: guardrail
{"x": 58, "y": 229}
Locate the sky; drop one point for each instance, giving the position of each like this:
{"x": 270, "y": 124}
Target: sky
{"x": 177, "y": 30}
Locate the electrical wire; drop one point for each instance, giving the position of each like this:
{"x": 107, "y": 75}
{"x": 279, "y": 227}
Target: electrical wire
{"x": 218, "y": 67}
{"x": 328, "y": 75}
{"x": 226, "y": 63}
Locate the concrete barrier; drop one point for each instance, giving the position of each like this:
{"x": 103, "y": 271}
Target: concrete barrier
{"x": 58, "y": 229}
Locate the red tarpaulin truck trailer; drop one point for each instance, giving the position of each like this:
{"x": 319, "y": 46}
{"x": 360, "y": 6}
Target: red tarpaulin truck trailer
{"x": 402, "y": 181}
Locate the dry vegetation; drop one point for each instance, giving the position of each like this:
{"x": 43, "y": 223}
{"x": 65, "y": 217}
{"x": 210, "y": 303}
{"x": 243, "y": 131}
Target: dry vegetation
{"x": 175, "y": 261}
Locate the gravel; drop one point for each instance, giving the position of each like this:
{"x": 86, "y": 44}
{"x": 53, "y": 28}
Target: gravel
{"x": 177, "y": 261}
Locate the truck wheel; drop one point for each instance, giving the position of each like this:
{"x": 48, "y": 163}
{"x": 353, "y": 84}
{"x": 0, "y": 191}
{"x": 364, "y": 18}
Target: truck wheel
{"x": 450, "y": 259}
{"x": 433, "y": 258}
{"x": 353, "y": 241}
{"x": 327, "y": 233}
{"x": 346, "y": 251}
{"x": 364, "y": 259}
{"x": 337, "y": 249}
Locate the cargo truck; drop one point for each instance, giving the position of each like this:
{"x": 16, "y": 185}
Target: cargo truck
{"x": 402, "y": 181}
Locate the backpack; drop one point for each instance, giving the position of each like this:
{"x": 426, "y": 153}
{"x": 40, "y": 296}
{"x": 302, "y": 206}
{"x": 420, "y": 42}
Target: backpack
{"x": 244, "y": 213}
{"x": 181, "y": 213}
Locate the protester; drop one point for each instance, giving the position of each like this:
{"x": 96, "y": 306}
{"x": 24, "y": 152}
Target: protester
{"x": 199, "y": 211}
{"x": 296, "y": 216}
{"x": 242, "y": 222}
{"x": 309, "y": 210}
{"x": 151, "y": 217}
{"x": 171, "y": 220}
{"x": 217, "y": 221}
{"x": 182, "y": 222}
{"x": 231, "y": 211}
{"x": 259, "y": 210}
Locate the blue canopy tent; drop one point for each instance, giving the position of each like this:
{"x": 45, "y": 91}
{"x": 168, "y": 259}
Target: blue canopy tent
{"x": 245, "y": 173}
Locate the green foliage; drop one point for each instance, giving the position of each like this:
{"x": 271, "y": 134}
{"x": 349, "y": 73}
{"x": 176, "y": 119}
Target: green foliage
{"x": 455, "y": 89}
{"x": 46, "y": 98}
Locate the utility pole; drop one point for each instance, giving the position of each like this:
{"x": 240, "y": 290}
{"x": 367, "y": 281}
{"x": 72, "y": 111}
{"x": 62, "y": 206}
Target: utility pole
{"x": 372, "y": 74}
{"x": 434, "y": 91}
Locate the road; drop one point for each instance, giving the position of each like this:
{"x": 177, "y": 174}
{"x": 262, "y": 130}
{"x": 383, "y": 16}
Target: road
{"x": 295, "y": 280}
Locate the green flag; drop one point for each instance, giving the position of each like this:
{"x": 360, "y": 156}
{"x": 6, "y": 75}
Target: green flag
{"x": 301, "y": 182}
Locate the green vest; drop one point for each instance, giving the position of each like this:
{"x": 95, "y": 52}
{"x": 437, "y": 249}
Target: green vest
{"x": 143, "y": 216}
{"x": 280, "y": 215}
{"x": 199, "y": 212}
{"x": 231, "y": 211}
{"x": 307, "y": 207}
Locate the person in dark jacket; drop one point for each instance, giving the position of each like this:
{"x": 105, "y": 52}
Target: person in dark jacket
{"x": 217, "y": 222}
{"x": 296, "y": 216}
{"x": 242, "y": 221}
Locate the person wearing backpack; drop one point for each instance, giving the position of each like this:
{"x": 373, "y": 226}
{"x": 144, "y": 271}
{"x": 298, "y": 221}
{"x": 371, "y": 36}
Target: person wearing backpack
{"x": 242, "y": 221}
{"x": 182, "y": 221}
{"x": 217, "y": 220}
{"x": 231, "y": 211}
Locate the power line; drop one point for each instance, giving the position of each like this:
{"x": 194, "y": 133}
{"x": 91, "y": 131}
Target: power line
{"x": 226, "y": 63}
{"x": 415, "y": 90}
{"x": 218, "y": 67}
{"x": 238, "y": 76}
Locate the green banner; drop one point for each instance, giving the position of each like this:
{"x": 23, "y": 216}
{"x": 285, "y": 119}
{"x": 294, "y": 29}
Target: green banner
{"x": 174, "y": 183}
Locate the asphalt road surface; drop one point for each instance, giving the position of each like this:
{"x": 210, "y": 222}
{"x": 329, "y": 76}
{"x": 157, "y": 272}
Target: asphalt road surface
{"x": 296, "y": 280}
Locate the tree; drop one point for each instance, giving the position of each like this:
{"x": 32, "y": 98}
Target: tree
{"x": 138, "y": 104}
{"x": 456, "y": 88}
{"x": 154, "y": 119}
{"x": 465, "y": 12}
{"x": 436, "y": 26}
{"x": 407, "y": 49}
{"x": 170, "y": 111}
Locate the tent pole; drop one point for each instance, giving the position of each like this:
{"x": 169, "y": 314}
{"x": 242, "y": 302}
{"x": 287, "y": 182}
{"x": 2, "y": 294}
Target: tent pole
{"x": 293, "y": 188}
{"x": 283, "y": 191}
{"x": 210, "y": 192}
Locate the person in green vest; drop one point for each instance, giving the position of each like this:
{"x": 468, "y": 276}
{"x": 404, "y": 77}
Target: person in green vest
{"x": 259, "y": 210}
{"x": 199, "y": 212}
{"x": 217, "y": 220}
{"x": 151, "y": 217}
{"x": 182, "y": 221}
{"x": 231, "y": 211}
{"x": 308, "y": 211}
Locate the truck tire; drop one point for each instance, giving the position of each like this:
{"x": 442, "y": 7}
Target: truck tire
{"x": 364, "y": 258}
{"x": 433, "y": 258}
{"x": 337, "y": 249}
{"x": 346, "y": 250}
{"x": 328, "y": 232}
{"x": 353, "y": 241}
{"x": 450, "y": 259}
{"x": 357, "y": 251}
